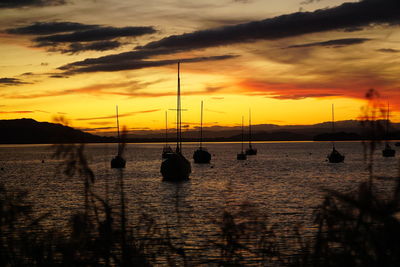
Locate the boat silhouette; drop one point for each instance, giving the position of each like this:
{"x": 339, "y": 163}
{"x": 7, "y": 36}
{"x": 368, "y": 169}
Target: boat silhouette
{"x": 176, "y": 167}
{"x": 334, "y": 156}
{"x": 118, "y": 161}
{"x": 388, "y": 151}
{"x": 250, "y": 150}
{"x": 201, "y": 155}
{"x": 242, "y": 155}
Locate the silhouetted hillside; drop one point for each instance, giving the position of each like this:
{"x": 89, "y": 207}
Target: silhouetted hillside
{"x": 29, "y": 131}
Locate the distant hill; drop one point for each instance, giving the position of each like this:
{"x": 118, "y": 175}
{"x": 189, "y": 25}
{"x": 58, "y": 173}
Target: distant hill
{"x": 345, "y": 130}
{"x": 29, "y": 131}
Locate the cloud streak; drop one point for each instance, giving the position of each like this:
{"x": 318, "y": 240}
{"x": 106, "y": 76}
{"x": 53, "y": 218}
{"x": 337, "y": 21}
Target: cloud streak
{"x": 95, "y": 46}
{"x": 333, "y": 43}
{"x": 119, "y": 115}
{"x": 388, "y": 50}
{"x": 11, "y": 81}
{"x": 17, "y": 112}
{"x": 46, "y": 28}
{"x": 97, "y": 34}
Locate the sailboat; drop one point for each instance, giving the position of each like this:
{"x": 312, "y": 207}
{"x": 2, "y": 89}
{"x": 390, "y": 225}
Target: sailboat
{"x": 176, "y": 167}
{"x": 250, "y": 150}
{"x": 201, "y": 155}
{"x": 334, "y": 156}
{"x": 118, "y": 161}
{"x": 388, "y": 151}
{"x": 242, "y": 155}
{"x": 167, "y": 150}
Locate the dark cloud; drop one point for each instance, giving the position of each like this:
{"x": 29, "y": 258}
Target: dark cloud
{"x": 345, "y": 16}
{"x": 30, "y": 3}
{"x": 46, "y": 28}
{"x": 11, "y": 81}
{"x": 72, "y": 37}
{"x": 58, "y": 76}
{"x": 95, "y": 46}
{"x": 121, "y": 57}
{"x": 389, "y": 50}
{"x": 27, "y": 74}
{"x": 97, "y": 34}
{"x": 333, "y": 43}
{"x": 114, "y": 65}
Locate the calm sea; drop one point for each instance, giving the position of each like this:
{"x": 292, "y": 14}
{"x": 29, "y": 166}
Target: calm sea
{"x": 285, "y": 181}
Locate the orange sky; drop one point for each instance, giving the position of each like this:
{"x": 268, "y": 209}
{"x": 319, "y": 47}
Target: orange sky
{"x": 286, "y": 60}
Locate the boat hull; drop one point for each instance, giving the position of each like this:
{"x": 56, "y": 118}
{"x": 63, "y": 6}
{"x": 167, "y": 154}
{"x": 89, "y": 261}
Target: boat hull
{"x": 175, "y": 168}
{"x": 241, "y": 156}
{"x": 251, "y": 151}
{"x": 201, "y": 156}
{"x": 118, "y": 162}
{"x": 388, "y": 152}
{"x": 335, "y": 157}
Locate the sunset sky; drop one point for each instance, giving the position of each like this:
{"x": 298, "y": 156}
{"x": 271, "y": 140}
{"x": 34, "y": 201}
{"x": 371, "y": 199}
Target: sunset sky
{"x": 287, "y": 60}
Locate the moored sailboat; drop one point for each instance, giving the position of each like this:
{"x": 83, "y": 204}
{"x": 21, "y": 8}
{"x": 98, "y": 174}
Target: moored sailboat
{"x": 250, "y": 150}
{"x": 118, "y": 161}
{"x": 242, "y": 155}
{"x": 334, "y": 156}
{"x": 388, "y": 151}
{"x": 201, "y": 155}
{"x": 176, "y": 167}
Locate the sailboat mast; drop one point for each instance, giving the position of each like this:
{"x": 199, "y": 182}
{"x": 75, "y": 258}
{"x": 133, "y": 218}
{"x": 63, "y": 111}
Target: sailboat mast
{"x": 178, "y": 114}
{"x": 242, "y": 132}
{"x": 249, "y": 127}
{"x": 166, "y": 128}
{"x": 333, "y": 125}
{"x": 117, "y": 123}
{"x": 387, "y": 123}
{"x": 201, "y": 125}
{"x": 119, "y": 141}
{"x": 333, "y": 119}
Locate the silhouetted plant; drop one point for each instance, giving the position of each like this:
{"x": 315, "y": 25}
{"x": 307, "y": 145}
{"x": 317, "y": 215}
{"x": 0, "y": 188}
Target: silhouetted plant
{"x": 361, "y": 228}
